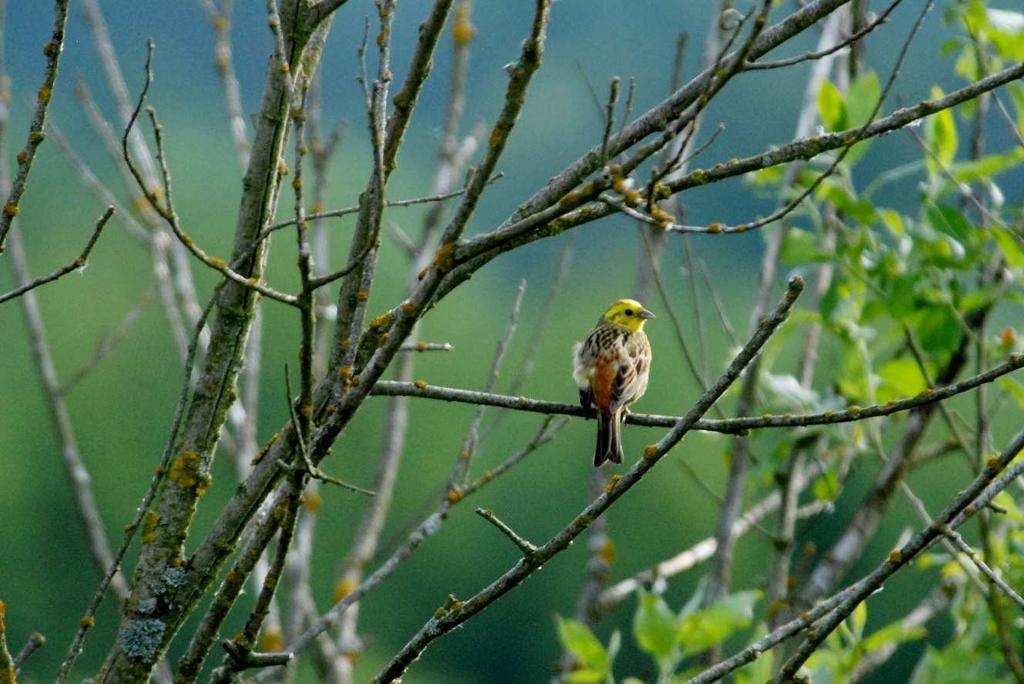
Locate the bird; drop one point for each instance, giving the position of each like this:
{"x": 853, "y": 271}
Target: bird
{"x": 611, "y": 368}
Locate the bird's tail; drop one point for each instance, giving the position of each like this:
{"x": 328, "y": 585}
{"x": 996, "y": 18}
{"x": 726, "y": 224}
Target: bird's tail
{"x": 609, "y": 440}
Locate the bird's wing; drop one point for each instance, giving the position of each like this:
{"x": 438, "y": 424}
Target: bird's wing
{"x": 634, "y": 367}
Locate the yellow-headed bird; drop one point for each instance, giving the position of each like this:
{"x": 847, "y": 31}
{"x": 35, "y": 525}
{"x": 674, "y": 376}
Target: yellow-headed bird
{"x": 611, "y": 368}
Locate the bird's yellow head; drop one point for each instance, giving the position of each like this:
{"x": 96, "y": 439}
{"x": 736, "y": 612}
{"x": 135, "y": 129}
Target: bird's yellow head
{"x": 627, "y": 313}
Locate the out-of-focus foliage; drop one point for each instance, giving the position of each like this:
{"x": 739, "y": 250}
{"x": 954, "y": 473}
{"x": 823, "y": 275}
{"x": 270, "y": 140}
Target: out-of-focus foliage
{"x": 670, "y": 639}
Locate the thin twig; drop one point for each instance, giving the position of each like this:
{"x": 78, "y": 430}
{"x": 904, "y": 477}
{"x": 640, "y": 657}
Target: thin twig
{"x": 547, "y": 432}
{"x": 34, "y": 643}
{"x": 346, "y": 211}
{"x": 52, "y": 50}
{"x": 78, "y": 264}
{"x": 818, "y": 54}
{"x": 991, "y": 574}
{"x": 166, "y": 210}
{"x": 526, "y": 547}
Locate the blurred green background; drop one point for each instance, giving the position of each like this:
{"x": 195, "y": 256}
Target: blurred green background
{"x": 122, "y": 411}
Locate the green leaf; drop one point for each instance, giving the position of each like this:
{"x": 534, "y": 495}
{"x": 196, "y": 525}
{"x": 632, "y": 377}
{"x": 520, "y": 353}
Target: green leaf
{"x": 941, "y": 136}
{"x": 1010, "y": 246}
{"x": 979, "y": 299}
{"x": 760, "y": 670}
{"x": 901, "y": 377}
{"x": 706, "y": 628}
{"x": 857, "y": 620}
{"x": 967, "y": 64}
{"x": 892, "y": 220}
{"x": 894, "y": 633}
{"x": 901, "y": 296}
{"x": 938, "y": 331}
{"x": 830, "y": 300}
{"x": 861, "y": 99}
{"x": 831, "y": 108}
{"x": 654, "y": 627}
{"x": 988, "y": 167}
{"x": 798, "y": 247}
{"x": 860, "y": 209}
{"x": 786, "y": 392}
{"x": 951, "y": 222}
{"x": 1014, "y": 388}
{"x": 853, "y": 380}
{"x": 768, "y": 176}
{"x": 1016, "y": 91}
{"x": 1007, "y": 33}
{"x": 577, "y": 638}
{"x": 826, "y": 487}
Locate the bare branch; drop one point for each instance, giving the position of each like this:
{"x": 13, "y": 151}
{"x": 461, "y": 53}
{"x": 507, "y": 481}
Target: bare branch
{"x": 220, "y": 21}
{"x": 991, "y": 574}
{"x": 34, "y": 643}
{"x": 346, "y": 211}
{"x": 78, "y": 264}
{"x": 52, "y": 50}
{"x": 818, "y": 54}
{"x": 526, "y": 547}
{"x": 728, "y": 425}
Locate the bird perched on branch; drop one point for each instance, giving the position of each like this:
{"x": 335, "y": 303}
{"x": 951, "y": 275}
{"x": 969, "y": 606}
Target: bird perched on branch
{"x": 611, "y": 368}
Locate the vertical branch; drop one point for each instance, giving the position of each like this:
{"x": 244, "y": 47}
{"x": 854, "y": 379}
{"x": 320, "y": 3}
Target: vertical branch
{"x": 220, "y": 21}
{"x": 214, "y": 390}
{"x": 653, "y": 238}
{"x": 322, "y": 152}
{"x": 240, "y": 649}
{"x": 53, "y": 50}
{"x": 386, "y": 135}
{"x": 721, "y": 565}
{"x": 779, "y": 578}
{"x": 367, "y": 538}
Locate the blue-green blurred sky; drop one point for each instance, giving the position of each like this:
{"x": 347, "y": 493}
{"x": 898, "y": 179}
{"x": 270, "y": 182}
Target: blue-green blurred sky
{"x": 45, "y": 576}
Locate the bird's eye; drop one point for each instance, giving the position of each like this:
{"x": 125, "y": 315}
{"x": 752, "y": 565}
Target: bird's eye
{"x": 629, "y": 312}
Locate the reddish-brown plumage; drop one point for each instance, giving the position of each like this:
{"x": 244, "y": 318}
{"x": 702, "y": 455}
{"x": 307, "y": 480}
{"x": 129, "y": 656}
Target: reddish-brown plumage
{"x": 602, "y": 385}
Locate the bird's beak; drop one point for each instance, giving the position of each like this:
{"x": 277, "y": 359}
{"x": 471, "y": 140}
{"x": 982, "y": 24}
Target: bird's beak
{"x": 645, "y": 314}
